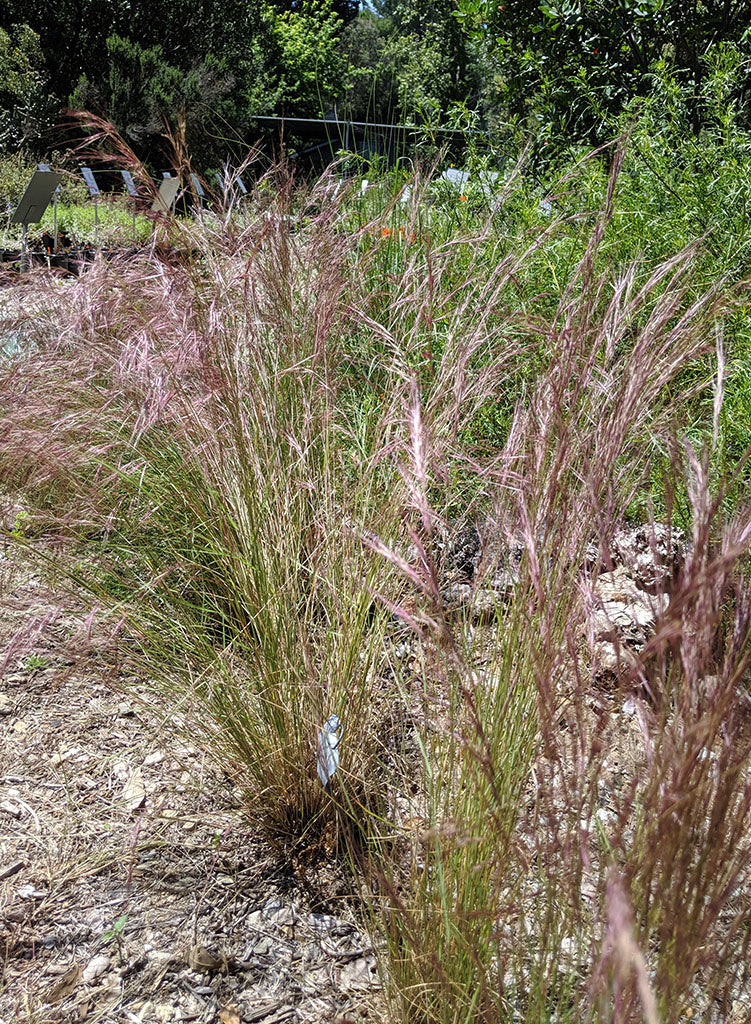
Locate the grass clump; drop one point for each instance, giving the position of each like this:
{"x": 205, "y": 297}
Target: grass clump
{"x": 539, "y": 888}
{"x": 255, "y": 461}
{"x": 222, "y": 521}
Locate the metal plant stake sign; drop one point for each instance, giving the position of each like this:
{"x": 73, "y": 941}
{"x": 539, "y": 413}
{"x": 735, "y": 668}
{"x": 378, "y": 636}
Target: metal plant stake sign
{"x": 329, "y": 738}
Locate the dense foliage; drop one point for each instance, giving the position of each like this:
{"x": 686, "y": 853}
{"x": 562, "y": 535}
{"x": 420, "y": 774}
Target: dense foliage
{"x": 562, "y": 72}
{"x": 575, "y": 65}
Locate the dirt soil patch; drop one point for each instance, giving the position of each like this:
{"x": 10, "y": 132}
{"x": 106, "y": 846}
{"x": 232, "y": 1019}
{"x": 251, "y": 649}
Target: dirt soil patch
{"x": 132, "y": 887}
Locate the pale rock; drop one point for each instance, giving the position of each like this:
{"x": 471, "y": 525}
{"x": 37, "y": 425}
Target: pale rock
{"x": 740, "y": 1012}
{"x": 572, "y": 953}
{"x": 607, "y": 658}
{"x": 620, "y": 616}
{"x": 652, "y": 555}
{"x": 479, "y": 603}
{"x": 30, "y": 892}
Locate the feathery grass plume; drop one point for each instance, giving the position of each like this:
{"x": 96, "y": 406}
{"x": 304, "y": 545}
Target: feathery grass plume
{"x": 241, "y": 448}
{"x": 185, "y": 425}
{"x": 100, "y": 141}
{"x": 683, "y": 837}
{"x": 496, "y": 905}
{"x": 621, "y": 950}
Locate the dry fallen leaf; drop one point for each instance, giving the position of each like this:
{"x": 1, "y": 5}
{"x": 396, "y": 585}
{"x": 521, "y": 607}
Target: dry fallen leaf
{"x": 134, "y": 791}
{"x": 200, "y": 959}
{"x": 64, "y": 985}
{"x": 229, "y": 1015}
{"x": 109, "y": 992}
{"x": 20, "y": 726}
{"x": 95, "y": 967}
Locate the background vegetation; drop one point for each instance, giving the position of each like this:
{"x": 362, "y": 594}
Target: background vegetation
{"x": 557, "y": 73}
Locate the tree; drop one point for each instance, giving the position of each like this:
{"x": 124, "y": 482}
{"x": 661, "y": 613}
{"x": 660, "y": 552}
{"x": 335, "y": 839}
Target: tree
{"x": 410, "y": 61}
{"x": 370, "y": 92}
{"x": 311, "y": 66}
{"x": 74, "y": 34}
{"x": 160, "y": 110}
{"x": 574, "y": 64}
{"x": 27, "y": 108}
{"x": 204, "y": 67}
{"x": 345, "y": 10}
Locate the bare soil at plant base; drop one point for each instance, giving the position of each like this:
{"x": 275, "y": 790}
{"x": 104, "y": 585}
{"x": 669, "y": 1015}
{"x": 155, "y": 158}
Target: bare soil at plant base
{"x": 132, "y": 886}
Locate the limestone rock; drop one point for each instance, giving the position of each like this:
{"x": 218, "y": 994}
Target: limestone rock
{"x": 652, "y": 555}
{"x": 621, "y": 618}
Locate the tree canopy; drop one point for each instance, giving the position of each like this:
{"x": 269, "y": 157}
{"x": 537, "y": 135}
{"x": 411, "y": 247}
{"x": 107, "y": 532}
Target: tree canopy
{"x": 558, "y": 69}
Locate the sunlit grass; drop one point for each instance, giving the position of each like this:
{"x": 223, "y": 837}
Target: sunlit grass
{"x": 253, "y": 461}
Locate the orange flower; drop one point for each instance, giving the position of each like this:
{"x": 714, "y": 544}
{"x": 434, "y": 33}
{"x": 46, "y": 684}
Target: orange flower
{"x": 462, "y": 199}
{"x": 385, "y": 232}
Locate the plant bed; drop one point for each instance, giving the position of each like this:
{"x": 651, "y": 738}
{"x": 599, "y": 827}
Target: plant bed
{"x": 244, "y": 466}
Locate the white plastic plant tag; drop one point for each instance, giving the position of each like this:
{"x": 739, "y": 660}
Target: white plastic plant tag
{"x": 456, "y": 177}
{"x": 329, "y": 738}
